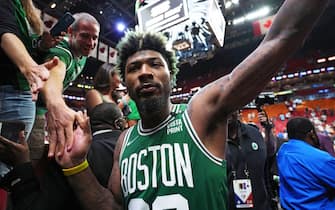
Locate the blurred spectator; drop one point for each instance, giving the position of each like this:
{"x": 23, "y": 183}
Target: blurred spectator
{"x": 40, "y": 184}
{"x": 127, "y": 105}
{"x": 24, "y": 77}
{"x": 326, "y": 143}
{"x": 18, "y": 56}
{"x": 306, "y": 172}
{"x": 21, "y": 38}
{"x": 107, "y": 122}
{"x": 118, "y": 96}
{"x": 106, "y": 80}
{"x": 245, "y": 145}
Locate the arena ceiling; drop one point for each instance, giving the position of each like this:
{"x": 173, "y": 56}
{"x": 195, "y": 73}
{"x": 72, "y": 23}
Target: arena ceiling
{"x": 322, "y": 37}
{"x": 108, "y": 12}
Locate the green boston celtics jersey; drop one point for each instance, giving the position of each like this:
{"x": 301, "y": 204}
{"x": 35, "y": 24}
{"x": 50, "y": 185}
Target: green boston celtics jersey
{"x": 74, "y": 66}
{"x": 134, "y": 115}
{"x": 168, "y": 167}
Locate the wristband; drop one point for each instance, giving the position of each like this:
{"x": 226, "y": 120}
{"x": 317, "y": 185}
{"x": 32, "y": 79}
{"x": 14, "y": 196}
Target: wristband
{"x": 76, "y": 169}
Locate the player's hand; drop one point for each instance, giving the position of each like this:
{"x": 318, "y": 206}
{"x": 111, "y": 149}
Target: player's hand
{"x": 82, "y": 139}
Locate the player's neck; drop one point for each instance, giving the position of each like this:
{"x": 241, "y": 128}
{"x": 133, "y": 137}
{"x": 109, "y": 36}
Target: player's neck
{"x": 152, "y": 119}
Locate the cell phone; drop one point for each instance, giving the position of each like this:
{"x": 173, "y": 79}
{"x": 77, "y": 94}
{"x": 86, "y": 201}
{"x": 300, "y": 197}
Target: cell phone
{"x": 11, "y": 129}
{"x": 63, "y": 23}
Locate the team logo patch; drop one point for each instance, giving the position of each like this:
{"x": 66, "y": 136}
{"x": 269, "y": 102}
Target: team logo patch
{"x": 254, "y": 146}
{"x": 174, "y": 127}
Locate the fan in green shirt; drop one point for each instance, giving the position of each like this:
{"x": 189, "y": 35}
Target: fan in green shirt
{"x": 72, "y": 51}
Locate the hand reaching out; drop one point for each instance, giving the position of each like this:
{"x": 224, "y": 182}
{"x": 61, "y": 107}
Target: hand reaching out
{"x": 38, "y": 75}
{"x": 82, "y": 139}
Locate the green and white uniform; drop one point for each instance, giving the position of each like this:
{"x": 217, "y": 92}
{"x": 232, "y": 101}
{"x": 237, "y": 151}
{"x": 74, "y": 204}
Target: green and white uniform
{"x": 168, "y": 167}
{"x": 133, "y": 115}
{"x": 74, "y": 65}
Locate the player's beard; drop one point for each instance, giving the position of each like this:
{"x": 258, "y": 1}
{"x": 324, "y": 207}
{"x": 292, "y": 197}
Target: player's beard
{"x": 152, "y": 105}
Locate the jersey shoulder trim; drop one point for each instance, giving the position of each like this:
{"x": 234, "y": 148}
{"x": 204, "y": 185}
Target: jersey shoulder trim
{"x": 125, "y": 141}
{"x": 178, "y": 108}
{"x": 68, "y": 52}
{"x": 198, "y": 142}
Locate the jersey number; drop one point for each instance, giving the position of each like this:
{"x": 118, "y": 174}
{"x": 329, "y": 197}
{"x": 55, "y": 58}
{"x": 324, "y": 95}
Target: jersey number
{"x": 175, "y": 201}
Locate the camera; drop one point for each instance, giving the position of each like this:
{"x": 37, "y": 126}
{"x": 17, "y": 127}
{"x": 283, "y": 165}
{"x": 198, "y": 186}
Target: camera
{"x": 263, "y": 99}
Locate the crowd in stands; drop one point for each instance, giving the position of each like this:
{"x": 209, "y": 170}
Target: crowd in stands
{"x": 320, "y": 112}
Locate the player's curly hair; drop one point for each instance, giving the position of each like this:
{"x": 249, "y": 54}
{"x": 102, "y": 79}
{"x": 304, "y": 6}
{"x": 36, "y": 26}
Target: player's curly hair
{"x": 135, "y": 41}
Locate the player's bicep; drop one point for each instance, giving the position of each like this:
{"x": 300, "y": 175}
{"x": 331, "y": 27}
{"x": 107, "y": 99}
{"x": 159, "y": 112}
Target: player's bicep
{"x": 210, "y": 102}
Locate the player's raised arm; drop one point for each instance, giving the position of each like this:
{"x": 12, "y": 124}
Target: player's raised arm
{"x": 292, "y": 24}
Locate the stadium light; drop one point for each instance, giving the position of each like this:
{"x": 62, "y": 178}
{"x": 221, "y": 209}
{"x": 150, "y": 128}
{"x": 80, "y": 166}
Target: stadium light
{"x": 120, "y": 26}
{"x": 253, "y": 15}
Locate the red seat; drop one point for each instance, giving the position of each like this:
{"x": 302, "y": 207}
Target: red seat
{"x": 3, "y": 199}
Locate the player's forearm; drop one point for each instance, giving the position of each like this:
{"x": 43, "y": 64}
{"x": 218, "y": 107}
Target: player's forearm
{"x": 291, "y": 26}
{"x": 294, "y": 20}
{"x": 16, "y": 51}
{"x": 90, "y": 193}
